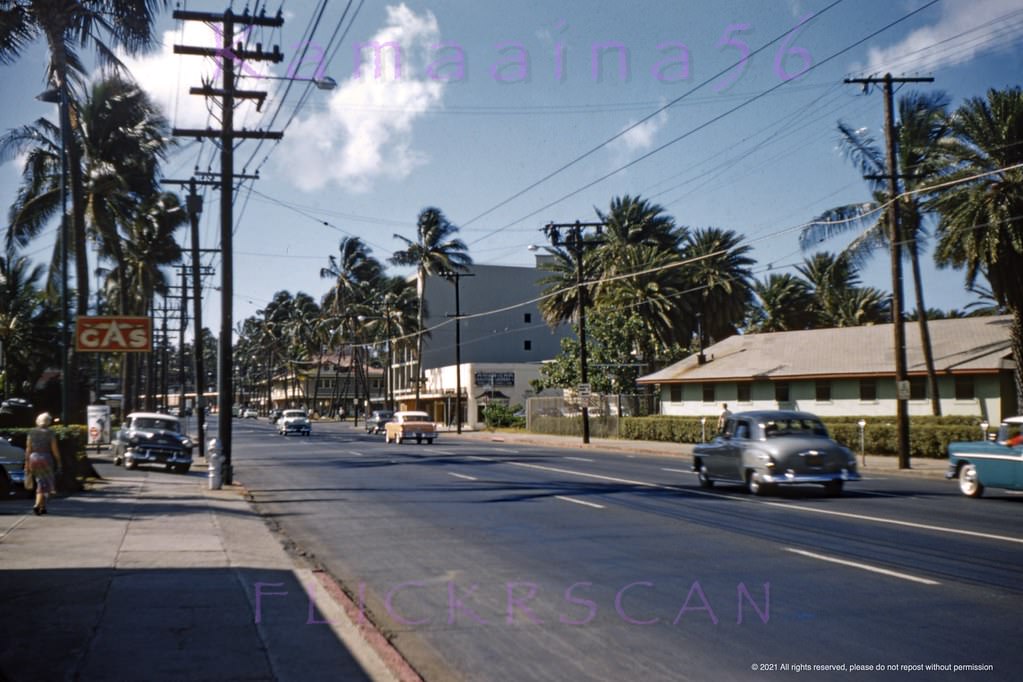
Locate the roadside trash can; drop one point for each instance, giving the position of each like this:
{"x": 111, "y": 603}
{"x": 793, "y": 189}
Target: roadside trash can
{"x": 215, "y": 458}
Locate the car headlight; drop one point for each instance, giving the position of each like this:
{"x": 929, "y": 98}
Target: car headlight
{"x": 187, "y": 442}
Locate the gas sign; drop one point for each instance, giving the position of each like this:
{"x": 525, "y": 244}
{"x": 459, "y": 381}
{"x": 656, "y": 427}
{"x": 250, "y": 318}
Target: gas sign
{"x": 113, "y": 334}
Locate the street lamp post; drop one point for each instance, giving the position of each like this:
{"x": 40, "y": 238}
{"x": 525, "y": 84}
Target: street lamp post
{"x": 59, "y": 96}
{"x": 863, "y": 450}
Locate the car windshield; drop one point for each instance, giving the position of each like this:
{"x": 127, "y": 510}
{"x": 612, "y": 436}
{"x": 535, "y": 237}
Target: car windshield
{"x": 1011, "y": 433}
{"x": 155, "y": 423}
{"x": 417, "y": 418}
{"x": 294, "y": 413}
{"x": 803, "y": 426}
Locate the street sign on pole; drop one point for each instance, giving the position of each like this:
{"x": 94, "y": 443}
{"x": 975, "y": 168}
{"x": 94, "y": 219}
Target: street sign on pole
{"x": 584, "y": 391}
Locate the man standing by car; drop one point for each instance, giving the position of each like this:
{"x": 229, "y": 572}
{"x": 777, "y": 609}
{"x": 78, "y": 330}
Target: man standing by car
{"x": 723, "y": 417}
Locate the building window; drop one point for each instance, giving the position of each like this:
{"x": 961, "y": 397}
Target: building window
{"x": 527, "y": 345}
{"x": 823, "y": 391}
{"x": 676, "y": 393}
{"x": 708, "y": 393}
{"x": 745, "y": 391}
{"x": 964, "y": 388}
{"x": 781, "y": 391}
{"x": 528, "y": 318}
{"x": 868, "y": 390}
{"x": 918, "y": 388}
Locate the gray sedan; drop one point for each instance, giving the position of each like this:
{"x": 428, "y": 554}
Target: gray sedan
{"x": 764, "y": 449}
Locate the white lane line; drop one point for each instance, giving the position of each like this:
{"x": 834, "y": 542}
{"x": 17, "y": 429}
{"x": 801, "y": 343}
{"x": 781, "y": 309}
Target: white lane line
{"x": 481, "y": 459}
{"x": 907, "y": 524}
{"x": 355, "y": 452}
{"x": 582, "y": 502}
{"x": 579, "y": 459}
{"x": 439, "y": 451}
{"x": 677, "y": 471}
{"x": 468, "y": 478}
{"x": 865, "y": 567}
{"x": 861, "y": 517}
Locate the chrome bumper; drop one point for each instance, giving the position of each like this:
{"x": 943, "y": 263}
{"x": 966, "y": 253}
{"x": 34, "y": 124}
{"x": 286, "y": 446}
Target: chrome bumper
{"x": 142, "y": 455}
{"x": 790, "y": 478}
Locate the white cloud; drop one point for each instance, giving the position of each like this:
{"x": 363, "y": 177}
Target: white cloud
{"x": 985, "y": 26}
{"x": 642, "y": 136}
{"x": 366, "y": 131}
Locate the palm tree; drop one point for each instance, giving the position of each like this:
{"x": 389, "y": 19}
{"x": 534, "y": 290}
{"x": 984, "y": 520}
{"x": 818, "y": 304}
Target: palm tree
{"x": 783, "y": 303}
{"x": 435, "y": 250}
{"x": 979, "y": 227}
{"x": 633, "y": 220}
{"x": 123, "y": 138}
{"x": 27, "y": 322}
{"x": 101, "y": 24}
{"x": 720, "y": 280}
{"x": 921, "y": 127}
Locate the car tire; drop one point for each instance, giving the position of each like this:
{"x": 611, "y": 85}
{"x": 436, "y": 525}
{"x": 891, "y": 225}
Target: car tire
{"x": 833, "y": 488}
{"x": 182, "y": 468}
{"x": 705, "y": 480}
{"x": 128, "y": 464}
{"x": 429, "y": 441}
{"x": 419, "y": 440}
{"x": 969, "y": 483}
{"x": 754, "y": 486}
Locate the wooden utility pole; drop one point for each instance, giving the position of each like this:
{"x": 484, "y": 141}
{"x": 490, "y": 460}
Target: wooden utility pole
{"x": 575, "y": 242}
{"x": 895, "y": 249}
{"x": 227, "y": 54}
{"x": 456, "y": 278}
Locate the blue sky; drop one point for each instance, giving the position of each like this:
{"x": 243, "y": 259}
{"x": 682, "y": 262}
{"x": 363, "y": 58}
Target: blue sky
{"x": 368, "y": 156}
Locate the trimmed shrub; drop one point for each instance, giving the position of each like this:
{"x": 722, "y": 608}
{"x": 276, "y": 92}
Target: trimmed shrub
{"x": 71, "y": 442}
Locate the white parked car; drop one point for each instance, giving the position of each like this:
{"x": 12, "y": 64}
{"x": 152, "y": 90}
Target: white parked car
{"x": 249, "y": 413}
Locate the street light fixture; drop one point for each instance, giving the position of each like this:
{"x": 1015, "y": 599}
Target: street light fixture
{"x": 322, "y": 83}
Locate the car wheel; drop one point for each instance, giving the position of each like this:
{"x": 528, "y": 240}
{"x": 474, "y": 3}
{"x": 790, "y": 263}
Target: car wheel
{"x": 419, "y": 440}
{"x": 429, "y": 441}
{"x": 182, "y": 468}
{"x": 755, "y": 486}
{"x": 833, "y": 488}
{"x": 705, "y": 480}
{"x": 128, "y": 464}
{"x": 969, "y": 483}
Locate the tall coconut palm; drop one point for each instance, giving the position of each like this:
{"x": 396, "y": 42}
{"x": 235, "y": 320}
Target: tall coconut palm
{"x": 784, "y": 303}
{"x": 100, "y": 24}
{"x": 720, "y": 278}
{"x": 435, "y": 250}
{"x": 123, "y": 137}
{"x": 921, "y": 127}
{"x": 980, "y": 219}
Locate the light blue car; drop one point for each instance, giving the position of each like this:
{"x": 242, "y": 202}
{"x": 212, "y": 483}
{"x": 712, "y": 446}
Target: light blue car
{"x": 989, "y": 463}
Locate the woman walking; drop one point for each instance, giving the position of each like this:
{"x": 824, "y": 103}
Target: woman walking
{"x": 41, "y": 460}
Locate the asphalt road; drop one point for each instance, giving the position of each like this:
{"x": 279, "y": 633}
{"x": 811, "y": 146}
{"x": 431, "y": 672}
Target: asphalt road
{"x": 485, "y": 561}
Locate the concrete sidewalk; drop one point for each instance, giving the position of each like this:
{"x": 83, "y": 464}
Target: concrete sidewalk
{"x": 150, "y": 576}
{"x": 875, "y": 464}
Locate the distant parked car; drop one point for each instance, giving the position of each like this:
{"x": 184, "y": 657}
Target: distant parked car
{"x": 249, "y": 413}
{"x": 294, "y": 421}
{"x": 152, "y": 438}
{"x": 376, "y": 421}
{"x": 765, "y": 449}
{"x": 989, "y": 464}
{"x": 12, "y": 469}
{"x": 275, "y": 415}
{"x": 408, "y": 425}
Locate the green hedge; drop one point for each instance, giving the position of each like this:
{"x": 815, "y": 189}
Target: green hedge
{"x": 572, "y": 426}
{"x": 71, "y": 442}
{"x": 928, "y": 436}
